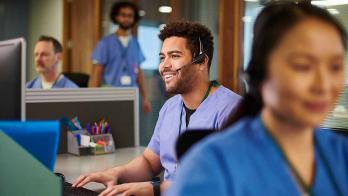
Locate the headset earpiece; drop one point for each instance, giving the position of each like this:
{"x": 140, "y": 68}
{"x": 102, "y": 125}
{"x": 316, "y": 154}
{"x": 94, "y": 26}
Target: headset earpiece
{"x": 199, "y": 59}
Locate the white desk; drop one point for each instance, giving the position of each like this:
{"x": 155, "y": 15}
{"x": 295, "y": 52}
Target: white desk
{"x": 73, "y": 166}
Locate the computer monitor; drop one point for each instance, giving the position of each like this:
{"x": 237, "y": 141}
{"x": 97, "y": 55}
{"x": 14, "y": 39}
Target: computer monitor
{"x": 39, "y": 138}
{"x": 12, "y": 79}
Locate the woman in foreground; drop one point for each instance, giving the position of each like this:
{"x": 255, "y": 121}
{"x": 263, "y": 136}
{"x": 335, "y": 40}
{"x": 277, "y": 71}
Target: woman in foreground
{"x": 275, "y": 147}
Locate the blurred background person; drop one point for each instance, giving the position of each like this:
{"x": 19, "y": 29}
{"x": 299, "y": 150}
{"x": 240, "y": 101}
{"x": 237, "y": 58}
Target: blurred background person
{"x": 117, "y": 57}
{"x": 48, "y": 54}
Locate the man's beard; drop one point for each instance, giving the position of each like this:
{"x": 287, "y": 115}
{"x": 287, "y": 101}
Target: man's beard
{"x": 183, "y": 85}
{"x": 125, "y": 27}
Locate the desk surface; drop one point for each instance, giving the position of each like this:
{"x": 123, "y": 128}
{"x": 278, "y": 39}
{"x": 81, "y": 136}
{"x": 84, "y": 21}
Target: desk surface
{"x": 73, "y": 166}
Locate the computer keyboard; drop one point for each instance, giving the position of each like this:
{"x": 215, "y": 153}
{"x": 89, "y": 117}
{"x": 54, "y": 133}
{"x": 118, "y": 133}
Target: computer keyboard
{"x": 73, "y": 191}
{"x": 68, "y": 190}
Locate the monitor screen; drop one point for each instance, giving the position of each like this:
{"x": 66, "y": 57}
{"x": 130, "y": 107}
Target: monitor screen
{"x": 12, "y": 79}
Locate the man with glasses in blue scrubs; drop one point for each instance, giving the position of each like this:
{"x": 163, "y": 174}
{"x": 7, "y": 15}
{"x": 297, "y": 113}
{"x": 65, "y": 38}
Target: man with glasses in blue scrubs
{"x": 185, "y": 60}
{"x": 117, "y": 57}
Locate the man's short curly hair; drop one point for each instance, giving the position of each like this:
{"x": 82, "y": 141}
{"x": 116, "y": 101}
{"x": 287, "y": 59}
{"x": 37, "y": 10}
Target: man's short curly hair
{"x": 192, "y": 32}
{"x": 119, "y": 5}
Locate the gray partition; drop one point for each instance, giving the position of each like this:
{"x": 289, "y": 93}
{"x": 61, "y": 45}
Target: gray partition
{"x": 117, "y": 105}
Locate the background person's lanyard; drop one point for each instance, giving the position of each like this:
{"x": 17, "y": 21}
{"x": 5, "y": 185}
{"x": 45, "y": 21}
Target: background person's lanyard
{"x": 212, "y": 83}
{"x": 54, "y": 83}
{"x": 125, "y": 78}
{"x": 307, "y": 190}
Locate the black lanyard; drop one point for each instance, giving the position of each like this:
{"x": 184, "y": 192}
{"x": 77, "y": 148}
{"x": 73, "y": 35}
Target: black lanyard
{"x": 54, "y": 83}
{"x": 124, "y": 60}
{"x": 212, "y": 83}
{"x": 306, "y": 188}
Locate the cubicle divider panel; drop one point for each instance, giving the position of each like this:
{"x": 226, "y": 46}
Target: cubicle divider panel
{"x": 119, "y": 106}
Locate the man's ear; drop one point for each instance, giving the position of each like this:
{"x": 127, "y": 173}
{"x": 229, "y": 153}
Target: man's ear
{"x": 59, "y": 56}
{"x": 204, "y": 64}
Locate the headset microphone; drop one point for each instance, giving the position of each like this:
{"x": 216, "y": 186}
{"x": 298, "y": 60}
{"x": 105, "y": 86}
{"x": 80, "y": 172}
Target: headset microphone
{"x": 177, "y": 70}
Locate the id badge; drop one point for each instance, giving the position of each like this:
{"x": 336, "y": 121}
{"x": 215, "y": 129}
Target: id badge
{"x": 126, "y": 80}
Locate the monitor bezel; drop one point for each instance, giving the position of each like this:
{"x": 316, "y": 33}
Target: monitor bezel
{"x": 20, "y": 41}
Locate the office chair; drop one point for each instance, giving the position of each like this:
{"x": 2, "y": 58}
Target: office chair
{"x": 81, "y": 79}
{"x": 189, "y": 138}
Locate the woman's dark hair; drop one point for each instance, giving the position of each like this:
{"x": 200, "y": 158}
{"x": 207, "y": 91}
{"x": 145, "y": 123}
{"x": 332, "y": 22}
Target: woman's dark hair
{"x": 119, "y": 5}
{"x": 194, "y": 33}
{"x": 274, "y": 21}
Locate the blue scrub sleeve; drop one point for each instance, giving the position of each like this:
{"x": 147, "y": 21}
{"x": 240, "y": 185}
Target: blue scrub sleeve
{"x": 227, "y": 111}
{"x": 200, "y": 173}
{"x": 99, "y": 55}
{"x": 35, "y": 83}
{"x": 141, "y": 57}
{"x": 66, "y": 83}
{"x": 29, "y": 84}
{"x": 154, "y": 144}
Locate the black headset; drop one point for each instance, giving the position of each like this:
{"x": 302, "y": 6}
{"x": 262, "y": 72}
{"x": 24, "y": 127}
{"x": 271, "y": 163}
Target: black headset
{"x": 201, "y": 55}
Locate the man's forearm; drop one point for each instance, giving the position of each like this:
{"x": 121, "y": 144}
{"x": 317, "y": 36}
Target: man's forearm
{"x": 96, "y": 76}
{"x": 138, "y": 170}
{"x": 141, "y": 83}
{"x": 95, "y": 83}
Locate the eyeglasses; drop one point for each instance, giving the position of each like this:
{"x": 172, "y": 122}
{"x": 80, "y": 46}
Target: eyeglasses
{"x": 126, "y": 15}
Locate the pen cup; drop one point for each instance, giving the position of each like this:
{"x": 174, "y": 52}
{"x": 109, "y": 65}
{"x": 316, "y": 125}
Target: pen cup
{"x": 104, "y": 144}
{"x": 74, "y": 143}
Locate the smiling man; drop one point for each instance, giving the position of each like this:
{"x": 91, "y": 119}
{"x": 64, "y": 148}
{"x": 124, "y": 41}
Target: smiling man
{"x": 48, "y": 54}
{"x": 186, "y": 57}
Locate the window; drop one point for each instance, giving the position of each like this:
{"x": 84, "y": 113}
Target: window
{"x": 150, "y": 45}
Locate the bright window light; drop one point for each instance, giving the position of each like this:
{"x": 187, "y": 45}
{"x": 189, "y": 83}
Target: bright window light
{"x": 333, "y": 11}
{"x": 330, "y": 2}
{"x": 165, "y": 9}
{"x": 247, "y": 19}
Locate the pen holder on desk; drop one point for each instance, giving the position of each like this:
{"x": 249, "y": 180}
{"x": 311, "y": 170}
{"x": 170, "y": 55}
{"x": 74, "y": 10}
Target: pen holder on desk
{"x": 104, "y": 144}
{"x": 74, "y": 141}
{"x": 96, "y": 144}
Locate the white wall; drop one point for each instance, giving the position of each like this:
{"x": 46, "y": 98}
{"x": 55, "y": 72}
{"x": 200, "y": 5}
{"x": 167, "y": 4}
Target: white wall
{"x": 45, "y": 18}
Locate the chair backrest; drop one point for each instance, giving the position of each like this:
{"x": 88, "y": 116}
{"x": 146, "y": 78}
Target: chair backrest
{"x": 189, "y": 138}
{"x": 81, "y": 79}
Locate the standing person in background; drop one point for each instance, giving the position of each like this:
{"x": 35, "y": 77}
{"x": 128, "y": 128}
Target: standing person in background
{"x": 275, "y": 147}
{"x": 48, "y": 54}
{"x": 117, "y": 57}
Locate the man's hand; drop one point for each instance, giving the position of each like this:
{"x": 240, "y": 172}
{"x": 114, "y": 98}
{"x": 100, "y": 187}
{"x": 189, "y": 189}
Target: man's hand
{"x": 137, "y": 189}
{"x": 108, "y": 178}
{"x": 146, "y": 106}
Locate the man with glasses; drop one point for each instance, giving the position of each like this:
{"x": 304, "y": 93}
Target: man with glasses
{"x": 117, "y": 57}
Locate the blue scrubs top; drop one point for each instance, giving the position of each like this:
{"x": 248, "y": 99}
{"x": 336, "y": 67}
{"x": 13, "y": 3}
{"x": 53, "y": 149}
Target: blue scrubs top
{"x": 117, "y": 60}
{"x": 212, "y": 113}
{"x": 62, "y": 82}
{"x": 244, "y": 160}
